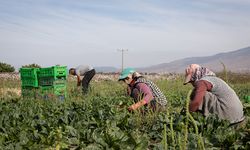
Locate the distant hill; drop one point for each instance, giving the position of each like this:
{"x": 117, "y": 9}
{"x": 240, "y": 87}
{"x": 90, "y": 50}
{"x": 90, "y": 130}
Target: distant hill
{"x": 105, "y": 69}
{"x": 235, "y": 61}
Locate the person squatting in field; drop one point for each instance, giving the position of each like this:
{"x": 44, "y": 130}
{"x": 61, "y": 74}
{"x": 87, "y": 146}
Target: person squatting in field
{"x": 211, "y": 95}
{"x": 144, "y": 92}
{"x": 87, "y": 72}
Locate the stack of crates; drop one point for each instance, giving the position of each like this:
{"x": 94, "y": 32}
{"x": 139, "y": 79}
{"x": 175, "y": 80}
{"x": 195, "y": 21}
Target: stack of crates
{"x": 52, "y": 82}
{"x": 45, "y": 83}
{"x": 29, "y": 77}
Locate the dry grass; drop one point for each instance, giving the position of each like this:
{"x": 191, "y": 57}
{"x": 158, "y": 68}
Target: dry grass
{"x": 8, "y": 92}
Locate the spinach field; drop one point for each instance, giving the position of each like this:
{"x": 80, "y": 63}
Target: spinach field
{"x": 100, "y": 120}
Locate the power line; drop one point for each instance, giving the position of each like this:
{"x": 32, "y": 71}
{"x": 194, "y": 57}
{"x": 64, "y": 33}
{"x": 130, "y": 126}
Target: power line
{"x": 122, "y": 51}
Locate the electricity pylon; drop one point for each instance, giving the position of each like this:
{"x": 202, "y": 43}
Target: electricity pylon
{"x": 122, "y": 50}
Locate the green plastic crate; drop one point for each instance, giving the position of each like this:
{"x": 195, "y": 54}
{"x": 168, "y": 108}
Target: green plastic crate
{"x": 53, "y": 92}
{"x": 55, "y": 72}
{"x": 49, "y": 81}
{"x": 29, "y": 82}
{"x": 55, "y": 89}
{"x": 29, "y": 72}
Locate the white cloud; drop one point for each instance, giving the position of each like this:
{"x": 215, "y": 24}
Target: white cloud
{"x": 53, "y": 35}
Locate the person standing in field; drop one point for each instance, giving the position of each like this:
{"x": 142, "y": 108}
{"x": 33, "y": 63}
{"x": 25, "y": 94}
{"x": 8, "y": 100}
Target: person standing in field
{"x": 143, "y": 91}
{"x": 212, "y": 95}
{"x": 86, "y": 72}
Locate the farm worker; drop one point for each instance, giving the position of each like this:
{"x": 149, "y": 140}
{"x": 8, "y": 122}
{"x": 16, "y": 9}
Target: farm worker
{"x": 144, "y": 92}
{"x": 211, "y": 95}
{"x": 87, "y": 72}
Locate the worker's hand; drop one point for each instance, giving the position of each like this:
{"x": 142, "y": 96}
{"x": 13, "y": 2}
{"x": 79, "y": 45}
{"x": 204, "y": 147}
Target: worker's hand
{"x": 136, "y": 105}
{"x": 78, "y": 80}
{"x": 130, "y": 109}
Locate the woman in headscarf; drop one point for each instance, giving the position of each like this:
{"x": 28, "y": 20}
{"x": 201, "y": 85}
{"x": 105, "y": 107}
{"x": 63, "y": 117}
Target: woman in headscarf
{"x": 211, "y": 95}
{"x": 143, "y": 91}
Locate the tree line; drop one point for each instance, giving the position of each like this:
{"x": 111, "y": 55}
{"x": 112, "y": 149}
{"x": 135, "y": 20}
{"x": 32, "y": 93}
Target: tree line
{"x": 4, "y": 67}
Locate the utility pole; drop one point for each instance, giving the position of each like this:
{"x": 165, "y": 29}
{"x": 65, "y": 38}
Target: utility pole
{"x": 122, "y": 50}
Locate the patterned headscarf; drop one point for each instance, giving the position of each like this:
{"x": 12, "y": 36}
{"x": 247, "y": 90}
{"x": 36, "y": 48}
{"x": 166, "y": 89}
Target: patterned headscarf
{"x": 195, "y": 72}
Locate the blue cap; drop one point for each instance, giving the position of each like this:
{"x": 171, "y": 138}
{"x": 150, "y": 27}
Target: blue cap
{"x": 125, "y": 72}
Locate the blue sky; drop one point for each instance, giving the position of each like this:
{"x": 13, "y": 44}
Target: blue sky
{"x": 73, "y": 32}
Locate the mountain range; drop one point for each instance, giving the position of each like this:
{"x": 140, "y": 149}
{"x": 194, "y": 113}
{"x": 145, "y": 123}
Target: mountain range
{"x": 235, "y": 61}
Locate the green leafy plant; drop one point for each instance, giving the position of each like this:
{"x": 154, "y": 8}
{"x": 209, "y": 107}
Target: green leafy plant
{"x": 100, "y": 120}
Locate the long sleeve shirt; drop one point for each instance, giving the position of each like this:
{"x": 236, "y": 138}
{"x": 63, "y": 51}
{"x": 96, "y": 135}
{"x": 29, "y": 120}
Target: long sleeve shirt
{"x": 142, "y": 91}
{"x": 199, "y": 92}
